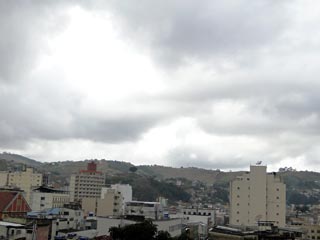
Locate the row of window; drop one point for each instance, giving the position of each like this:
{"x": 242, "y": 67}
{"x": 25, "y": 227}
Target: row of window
{"x": 199, "y": 213}
{"x": 238, "y": 212}
{"x": 277, "y": 197}
{"x": 238, "y": 204}
{"x": 277, "y": 189}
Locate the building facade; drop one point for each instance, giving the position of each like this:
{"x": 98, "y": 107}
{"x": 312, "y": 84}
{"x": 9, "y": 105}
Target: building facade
{"x": 257, "y": 196}
{"x": 13, "y": 205}
{"x": 109, "y": 205}
{"x": 45, "y": 198}
{"x": 86, "y": 183}
{"x": 25, "y": 180}
{"x": 148, "y": 210}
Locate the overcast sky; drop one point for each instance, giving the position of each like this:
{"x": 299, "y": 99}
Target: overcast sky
{"x": 212, "y": 84}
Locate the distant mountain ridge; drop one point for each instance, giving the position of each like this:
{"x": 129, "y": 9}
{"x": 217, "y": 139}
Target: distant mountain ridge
{"x": 303, "y": 187}
{"x": 19, "y": 159}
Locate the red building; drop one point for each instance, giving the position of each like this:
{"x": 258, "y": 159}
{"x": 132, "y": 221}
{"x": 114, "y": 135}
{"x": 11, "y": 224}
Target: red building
{"x": 13, "y": 204}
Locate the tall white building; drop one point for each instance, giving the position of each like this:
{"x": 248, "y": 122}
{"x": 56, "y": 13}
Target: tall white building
{"x": 257, "y": 196}
{"x": 86, "y": 183}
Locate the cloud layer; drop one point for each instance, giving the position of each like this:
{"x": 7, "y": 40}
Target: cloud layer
{"x": 212, "y": 84}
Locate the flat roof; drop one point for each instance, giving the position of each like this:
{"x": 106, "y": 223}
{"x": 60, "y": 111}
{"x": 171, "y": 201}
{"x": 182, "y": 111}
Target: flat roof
{"x": 10, "y": 224}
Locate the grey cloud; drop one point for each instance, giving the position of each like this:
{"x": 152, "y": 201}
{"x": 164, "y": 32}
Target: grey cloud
{"x": 183, "y": 156}
{"x": 40, "y": 115}
{"x": 179, "y": 30}
{"x": 113, "y": 129}
{"x": 25, "y": 27}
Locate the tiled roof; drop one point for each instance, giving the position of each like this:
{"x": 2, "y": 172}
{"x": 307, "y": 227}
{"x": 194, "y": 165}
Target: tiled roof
{"x": 5, "y": 199}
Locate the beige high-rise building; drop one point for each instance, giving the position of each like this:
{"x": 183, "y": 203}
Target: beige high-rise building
{"x": 25, "y": 180}
{"x": 110, "y": 204}
{"x": 257, "y": 196}
{"x": 86, "y": 183}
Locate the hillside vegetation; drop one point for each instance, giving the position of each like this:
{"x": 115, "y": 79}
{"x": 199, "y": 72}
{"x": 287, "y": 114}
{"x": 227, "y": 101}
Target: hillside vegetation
{"x": 150, "y": 182}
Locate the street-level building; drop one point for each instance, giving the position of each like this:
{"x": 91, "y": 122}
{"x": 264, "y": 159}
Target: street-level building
{"x": 257, "y": 196}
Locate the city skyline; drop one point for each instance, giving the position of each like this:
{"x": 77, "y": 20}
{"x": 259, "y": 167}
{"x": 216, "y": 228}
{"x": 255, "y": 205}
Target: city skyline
{"x": 176, "y": 83}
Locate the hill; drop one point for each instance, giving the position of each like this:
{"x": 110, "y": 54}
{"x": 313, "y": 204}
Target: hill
{"x": 15, "y": 158}
{"x": 303, "y": 187}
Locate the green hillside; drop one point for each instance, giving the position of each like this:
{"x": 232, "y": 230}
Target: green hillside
{"x": 150, "y": 182}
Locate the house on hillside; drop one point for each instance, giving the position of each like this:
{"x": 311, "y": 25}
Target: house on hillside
{"x": 13, "y": 205}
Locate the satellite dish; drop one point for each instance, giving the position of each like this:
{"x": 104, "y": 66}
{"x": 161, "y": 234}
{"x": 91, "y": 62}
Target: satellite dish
{"x": 259, "y": 163}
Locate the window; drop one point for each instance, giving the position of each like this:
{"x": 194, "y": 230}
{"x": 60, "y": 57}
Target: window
{"x": 238, "y": 188}
{"x": 42, "y": 198}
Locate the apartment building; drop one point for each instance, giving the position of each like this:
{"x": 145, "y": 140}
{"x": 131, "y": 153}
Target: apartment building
{"x": 25, "y": 180}
{"x": 257, "y": 196}
{"x": 86, "y": 183}
{"x": 110, "y": 204}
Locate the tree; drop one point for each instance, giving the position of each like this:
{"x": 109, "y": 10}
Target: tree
{"x": 163, "y": 235}
{"x": 145, "y": 230}
{"x": 133, "y": 169}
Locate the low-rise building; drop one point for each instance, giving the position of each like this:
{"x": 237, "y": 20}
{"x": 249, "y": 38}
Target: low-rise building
{"x": 13, "y": 205}
{"x": 172, "y": 226}
{"x": 69, "y": 219}
{"x": 45, "y": 198}
{"x": 148, "y": 210}
{"x": 12, "y": 231}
